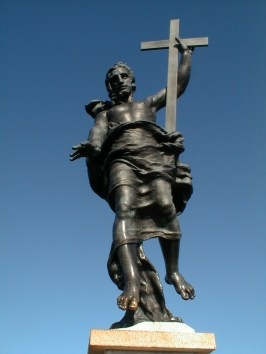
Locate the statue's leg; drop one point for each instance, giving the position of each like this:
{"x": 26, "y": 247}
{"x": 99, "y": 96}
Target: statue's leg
{"x": 170, "y": 250}
{"x": 170, "y": 247}
{"x": 125, "y": 229}
{"x": 127, "y": 255}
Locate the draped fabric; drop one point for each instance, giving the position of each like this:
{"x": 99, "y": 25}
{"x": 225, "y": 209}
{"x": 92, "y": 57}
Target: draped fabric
{"x": 135, "y": 154}
{"x": 145, "y": 152}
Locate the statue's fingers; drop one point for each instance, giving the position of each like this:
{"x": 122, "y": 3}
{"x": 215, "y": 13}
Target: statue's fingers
{"x": 76, "y": 147}
{"x": 180, "y": 42}
{"x": 86, "y": 144}
{"x": 73, "y": 158}
{"x": 75, "y": 155}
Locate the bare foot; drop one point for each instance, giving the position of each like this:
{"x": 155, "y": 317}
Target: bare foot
{"x": 181, "y": 286}
{"x": 129, "y": 299}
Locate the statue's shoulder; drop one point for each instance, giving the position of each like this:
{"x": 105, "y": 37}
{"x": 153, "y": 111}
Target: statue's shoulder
{"x": 95, "y": 107}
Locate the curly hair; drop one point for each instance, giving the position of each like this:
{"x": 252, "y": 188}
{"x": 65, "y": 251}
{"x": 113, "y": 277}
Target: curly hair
{"x": 122, "y": 65}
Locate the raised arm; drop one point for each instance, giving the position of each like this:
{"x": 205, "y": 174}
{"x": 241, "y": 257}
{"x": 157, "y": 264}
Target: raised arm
{"x": 158, "y": 100}
{"x": 184, "y": 67}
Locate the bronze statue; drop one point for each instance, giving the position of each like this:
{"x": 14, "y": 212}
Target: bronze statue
{"x": 134, "y": 165}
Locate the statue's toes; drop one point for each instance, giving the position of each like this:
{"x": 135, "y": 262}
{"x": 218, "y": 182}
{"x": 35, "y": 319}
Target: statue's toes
{"x": 184, "y": 295}
{"x": 122, "y": 302}
{"x": 192, "y": 294}
{"x": 125, "y": 303}
{"x": 133, "y": 305}
{"x": 188, "y": 294}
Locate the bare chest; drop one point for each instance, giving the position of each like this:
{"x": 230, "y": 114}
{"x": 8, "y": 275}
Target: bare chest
{"x": 131, "y": 112}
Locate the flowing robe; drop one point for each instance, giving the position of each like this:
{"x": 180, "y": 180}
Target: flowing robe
{"x": 135, "y": 154}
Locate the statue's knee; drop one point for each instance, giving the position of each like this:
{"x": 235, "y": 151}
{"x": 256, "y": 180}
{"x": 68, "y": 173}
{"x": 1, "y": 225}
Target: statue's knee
{"x": 125, "y": 211}
{"x": 167, "y": 208}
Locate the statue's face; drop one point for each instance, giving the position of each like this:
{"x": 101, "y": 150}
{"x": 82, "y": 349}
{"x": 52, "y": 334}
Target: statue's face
{"x": 120, "y": 82}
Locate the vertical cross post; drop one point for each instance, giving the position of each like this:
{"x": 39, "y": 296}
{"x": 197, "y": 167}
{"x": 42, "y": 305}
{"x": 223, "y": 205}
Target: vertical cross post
{"x": 172, "y": 76}
{"x": 171, "y": 102}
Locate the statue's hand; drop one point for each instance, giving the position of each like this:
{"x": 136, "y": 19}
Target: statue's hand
{"x": 84, "y": 149}
{"x": 182, "y": 47}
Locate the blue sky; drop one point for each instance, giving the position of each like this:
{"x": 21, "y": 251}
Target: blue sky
{"x": 56, "y": 233}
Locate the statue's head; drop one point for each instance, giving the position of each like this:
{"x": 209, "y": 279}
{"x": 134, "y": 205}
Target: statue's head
{"x": 121, "y": 68}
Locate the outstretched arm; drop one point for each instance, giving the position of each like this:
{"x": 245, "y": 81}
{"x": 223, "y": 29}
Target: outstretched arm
{"x": 95, "y": 139}
{"x": 98, "y": 133}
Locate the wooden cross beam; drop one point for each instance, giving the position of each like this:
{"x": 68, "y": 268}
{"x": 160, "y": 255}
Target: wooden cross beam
{"x": 171, "y": 44}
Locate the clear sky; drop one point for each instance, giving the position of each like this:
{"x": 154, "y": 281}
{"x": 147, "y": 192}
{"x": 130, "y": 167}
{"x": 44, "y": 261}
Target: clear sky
{"x": 56, "y": 233}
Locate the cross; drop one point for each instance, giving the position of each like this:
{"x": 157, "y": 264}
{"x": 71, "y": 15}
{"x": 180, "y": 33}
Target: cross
{"x": 171, "y": 44}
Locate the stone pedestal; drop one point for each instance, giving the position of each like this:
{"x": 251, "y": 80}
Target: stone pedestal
{"x": 152, "y": 338}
